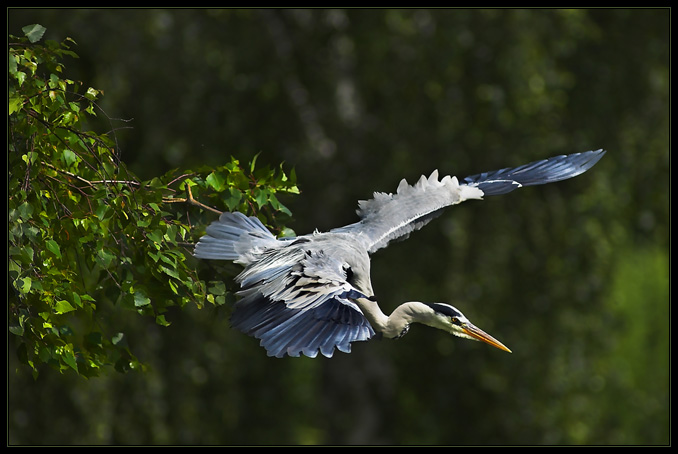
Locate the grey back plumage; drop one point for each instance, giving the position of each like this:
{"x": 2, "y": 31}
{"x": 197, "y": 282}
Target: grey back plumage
{"x": 298, "y": 296}
{"x": 298, "y": 300}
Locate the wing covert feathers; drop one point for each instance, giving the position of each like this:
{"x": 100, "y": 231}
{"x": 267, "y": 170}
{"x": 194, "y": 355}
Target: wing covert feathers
{"x": 389, "y": 217}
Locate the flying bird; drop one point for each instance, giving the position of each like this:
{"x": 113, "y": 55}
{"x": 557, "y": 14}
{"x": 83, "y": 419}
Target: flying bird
{"x": 312, "y": 293}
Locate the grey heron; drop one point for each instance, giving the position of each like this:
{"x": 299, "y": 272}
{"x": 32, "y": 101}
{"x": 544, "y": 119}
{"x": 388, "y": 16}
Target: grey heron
{"x": 312, "y": 293}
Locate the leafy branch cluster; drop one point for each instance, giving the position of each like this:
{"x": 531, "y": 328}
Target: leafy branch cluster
{"x": 86, "y": 236}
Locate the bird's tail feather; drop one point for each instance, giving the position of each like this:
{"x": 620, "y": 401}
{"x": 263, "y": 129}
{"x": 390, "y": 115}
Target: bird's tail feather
{"x": 234, "y": 237}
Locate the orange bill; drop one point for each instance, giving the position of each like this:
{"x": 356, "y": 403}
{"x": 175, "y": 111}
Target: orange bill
{"x": 481, "y": 335}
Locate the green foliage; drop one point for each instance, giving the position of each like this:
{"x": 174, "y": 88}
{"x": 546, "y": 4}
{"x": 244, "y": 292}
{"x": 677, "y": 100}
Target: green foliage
{"x": 87, "y": 238}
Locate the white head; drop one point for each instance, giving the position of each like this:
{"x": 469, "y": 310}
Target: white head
{"x": 450, "y": 319}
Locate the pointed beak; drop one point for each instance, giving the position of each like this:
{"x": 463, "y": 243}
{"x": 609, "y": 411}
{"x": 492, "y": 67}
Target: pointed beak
{"x": 481, "y": 335}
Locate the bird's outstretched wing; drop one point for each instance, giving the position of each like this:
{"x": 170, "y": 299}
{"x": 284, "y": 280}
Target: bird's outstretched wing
{"x": 389, "y": 217}
{"x": 297, "y": 300}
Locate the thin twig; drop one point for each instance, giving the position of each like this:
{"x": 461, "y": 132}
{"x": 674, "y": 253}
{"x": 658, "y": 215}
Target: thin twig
{"x": 189, "y": 199}
{"x": 192, "y": 201}
{"x": 88, "y": 182}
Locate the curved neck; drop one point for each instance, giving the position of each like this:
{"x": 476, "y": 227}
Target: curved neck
{"x": 400, "y": 319}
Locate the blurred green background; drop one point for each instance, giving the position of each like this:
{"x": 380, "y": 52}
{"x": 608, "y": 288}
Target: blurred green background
{"x": 573, "y": 276}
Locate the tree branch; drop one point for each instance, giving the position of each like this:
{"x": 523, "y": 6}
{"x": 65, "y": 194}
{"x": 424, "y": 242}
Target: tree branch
{"x": 192, "y": 201}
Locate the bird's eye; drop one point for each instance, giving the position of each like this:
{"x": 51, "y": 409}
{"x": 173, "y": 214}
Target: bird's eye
{"x": 455, "y": 321}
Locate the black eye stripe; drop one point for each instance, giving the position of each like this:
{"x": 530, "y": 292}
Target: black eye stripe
{"x": 446, "y": 309}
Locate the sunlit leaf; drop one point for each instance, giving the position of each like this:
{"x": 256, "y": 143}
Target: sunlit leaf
{"x": 140, "y": 299}
{"x": 53, "y": 246}
{"x": 216, "y": 180}
{"x": 34, "y": 32}
{"x": 63, "y": 306}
